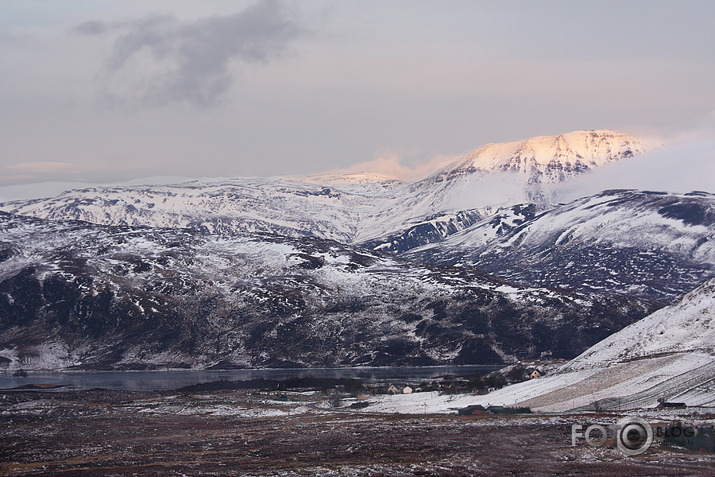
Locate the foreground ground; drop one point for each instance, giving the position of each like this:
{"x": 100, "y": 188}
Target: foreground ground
{"x": 240, "y": 433}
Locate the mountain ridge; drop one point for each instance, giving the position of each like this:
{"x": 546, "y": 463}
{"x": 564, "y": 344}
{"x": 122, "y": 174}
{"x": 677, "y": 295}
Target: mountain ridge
{"x": 648, "y": 243}
{"x": 350, "y": 208}
{"x": 262, "y": 272}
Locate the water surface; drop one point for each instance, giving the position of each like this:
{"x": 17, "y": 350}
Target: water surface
{"x": 174, "y": 379}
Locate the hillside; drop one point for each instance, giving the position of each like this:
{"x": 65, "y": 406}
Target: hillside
{"x": 669, "y": 355}
{"x": 97, "y": 297}
{"x": 642, "y": 243}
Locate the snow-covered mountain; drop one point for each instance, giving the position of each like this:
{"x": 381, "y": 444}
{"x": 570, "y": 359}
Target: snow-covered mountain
{"x": 74, "y": 294}
{"x": 350, "y": 208}
{"x": 644, "y": 243}
{"x": 223, "y": 206}
{"x": 547, "y": 159}
{"x": 531, "y": 170}
{"x": 280, "y": 271}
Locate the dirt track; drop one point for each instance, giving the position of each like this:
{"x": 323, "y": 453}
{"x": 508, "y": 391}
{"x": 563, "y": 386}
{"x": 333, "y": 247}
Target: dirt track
{"x": 104, "y": 433}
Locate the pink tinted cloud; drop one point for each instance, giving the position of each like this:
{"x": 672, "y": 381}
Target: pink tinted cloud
{"x": 391, "y": 164}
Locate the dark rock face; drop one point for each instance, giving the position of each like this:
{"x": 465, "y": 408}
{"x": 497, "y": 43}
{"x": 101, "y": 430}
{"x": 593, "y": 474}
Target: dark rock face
{"x": 80, "y": 295}
{"x": 432, "y": 229}
{"x": 690, "y": 212}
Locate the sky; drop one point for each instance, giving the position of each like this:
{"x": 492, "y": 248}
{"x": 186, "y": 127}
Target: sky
{"x": 105, "y": 91}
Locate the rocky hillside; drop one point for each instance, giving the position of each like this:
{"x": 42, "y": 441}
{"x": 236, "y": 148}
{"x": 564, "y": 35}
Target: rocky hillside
{"x": 76, "y": 295}
{"x": 642, "y": 243}
{"x": 667, "y": 356}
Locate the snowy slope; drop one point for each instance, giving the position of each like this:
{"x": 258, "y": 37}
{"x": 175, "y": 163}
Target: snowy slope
{"x": 222, "y": 206}
{"x": 685, "y": 327}
{"x": 685, "y": 377}
{"x": 668, "y": 355}
{"x": 636, "y": 242}
{"x": 76, "y": 294}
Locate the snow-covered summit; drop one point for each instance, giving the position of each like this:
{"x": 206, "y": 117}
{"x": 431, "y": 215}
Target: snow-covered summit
{"x": 548, "y": 159}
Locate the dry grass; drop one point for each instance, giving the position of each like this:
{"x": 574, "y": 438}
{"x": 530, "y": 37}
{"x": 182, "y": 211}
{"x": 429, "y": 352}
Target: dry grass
{"x": 109, "y": 434}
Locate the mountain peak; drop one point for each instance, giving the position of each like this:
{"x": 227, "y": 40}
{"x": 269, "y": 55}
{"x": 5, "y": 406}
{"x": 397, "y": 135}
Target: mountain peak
{"x": 548, "y": 159}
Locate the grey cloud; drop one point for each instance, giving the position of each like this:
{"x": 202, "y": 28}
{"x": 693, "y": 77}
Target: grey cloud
{"x": 91, "y": 28}
{"x": 11, "y": 39}
{"x": 192, "y": 61}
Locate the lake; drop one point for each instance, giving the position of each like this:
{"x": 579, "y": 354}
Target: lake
{"x": 174, "y": 379}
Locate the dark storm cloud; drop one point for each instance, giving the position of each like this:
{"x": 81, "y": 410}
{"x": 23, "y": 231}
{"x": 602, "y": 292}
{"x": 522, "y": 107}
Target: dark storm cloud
{"x": 192, "y": 62}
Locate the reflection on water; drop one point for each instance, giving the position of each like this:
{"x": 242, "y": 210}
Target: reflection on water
{"x": 168, "y": 380}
